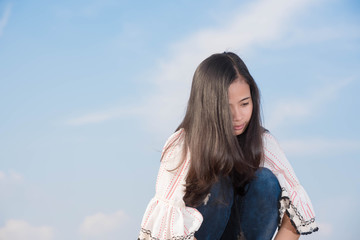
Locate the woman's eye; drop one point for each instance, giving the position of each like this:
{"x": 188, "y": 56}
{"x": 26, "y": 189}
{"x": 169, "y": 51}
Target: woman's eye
{"x": 245, "y": 104}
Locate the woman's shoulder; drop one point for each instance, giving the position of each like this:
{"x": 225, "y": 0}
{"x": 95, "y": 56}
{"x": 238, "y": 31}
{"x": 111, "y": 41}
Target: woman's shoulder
{"x": 271, "y": 146}
{"x": 268, "y": 137}
{"x": 175, "y": 138}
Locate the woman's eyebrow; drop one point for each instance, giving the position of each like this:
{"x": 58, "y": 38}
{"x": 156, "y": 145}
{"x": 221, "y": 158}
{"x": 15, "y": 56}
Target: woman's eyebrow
{"x": 244, "y": 99}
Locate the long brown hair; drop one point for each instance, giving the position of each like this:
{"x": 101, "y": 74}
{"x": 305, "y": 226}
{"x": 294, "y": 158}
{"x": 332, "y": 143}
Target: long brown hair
{"x": 209, "y": 136}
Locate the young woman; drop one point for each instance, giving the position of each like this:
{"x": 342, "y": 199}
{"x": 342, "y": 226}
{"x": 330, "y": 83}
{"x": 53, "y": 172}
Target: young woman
{"x": 222, "y": 175}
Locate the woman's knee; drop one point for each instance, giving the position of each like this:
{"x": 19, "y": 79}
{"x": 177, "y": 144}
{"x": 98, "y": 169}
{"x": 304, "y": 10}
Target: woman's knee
{"x": 259, "y": 206}
{"x": 266, "y": 183}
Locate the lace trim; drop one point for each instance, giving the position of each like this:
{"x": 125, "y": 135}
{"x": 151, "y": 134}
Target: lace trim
{"x": 301, "y": 225}
{"x": 149, "y": 236}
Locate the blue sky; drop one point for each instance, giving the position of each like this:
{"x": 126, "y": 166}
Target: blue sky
{"x": 90, "y": 91}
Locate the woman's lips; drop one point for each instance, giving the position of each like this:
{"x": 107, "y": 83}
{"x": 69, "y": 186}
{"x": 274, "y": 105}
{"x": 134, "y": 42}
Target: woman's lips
{"x": 239, "y": 127}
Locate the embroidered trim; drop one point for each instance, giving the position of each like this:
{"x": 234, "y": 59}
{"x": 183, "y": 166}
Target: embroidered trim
{"x": 149, "y": 236}
{"x": 301, "y": 225}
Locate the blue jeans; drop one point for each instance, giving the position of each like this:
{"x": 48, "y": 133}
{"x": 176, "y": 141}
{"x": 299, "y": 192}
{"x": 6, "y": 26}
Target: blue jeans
{"x": 252, "y": 216}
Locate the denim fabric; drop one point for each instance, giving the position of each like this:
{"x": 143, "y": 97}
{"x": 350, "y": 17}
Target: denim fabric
{"x": 253, "y": 216}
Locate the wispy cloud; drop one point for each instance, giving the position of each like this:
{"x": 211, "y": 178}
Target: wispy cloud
{"x": 101, "y": 225}
{"x": 10, "y": 176}
{"x": 320, "y": 34}
{"x": 20, "y": 230}
{"x": 90, "y": 118}
{"x": 102, "y": 116}
{"x": 320, "y": 146}
{"x": 4, "y": 19}
{"x": 297, "y": 109}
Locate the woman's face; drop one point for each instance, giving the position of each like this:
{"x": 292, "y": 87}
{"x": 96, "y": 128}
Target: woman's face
{"x": 241, "y": 105}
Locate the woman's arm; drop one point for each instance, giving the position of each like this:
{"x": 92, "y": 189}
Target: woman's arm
{"x": 287, "y": 230}
{"x": 294, "y": 199}
{"x": 167, "y": 216}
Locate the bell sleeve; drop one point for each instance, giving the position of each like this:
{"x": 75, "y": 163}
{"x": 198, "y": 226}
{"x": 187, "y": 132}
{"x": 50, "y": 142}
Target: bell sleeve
{"x": 167, "y": 216}
{"x": 294, "y": 200}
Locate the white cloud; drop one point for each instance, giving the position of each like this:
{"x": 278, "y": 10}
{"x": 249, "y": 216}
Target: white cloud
{"x": 15, "y": 176}
{"x": 101, "y": 225}
{"x": 102, "y": 116}
{"x": 311, "y": 34}
{"x": 11, "y": 176}
{"x": 297, "y": 109}
{"x": 320, "y": 146}
{"x": 256, "y": 23}
{"x": 4, "y": 19}
{"x": 90, "y": 118}
{"x": 21, "y": 230}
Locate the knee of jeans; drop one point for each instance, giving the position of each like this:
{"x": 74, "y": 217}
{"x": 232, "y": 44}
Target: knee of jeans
{"x": 266, "y": 182}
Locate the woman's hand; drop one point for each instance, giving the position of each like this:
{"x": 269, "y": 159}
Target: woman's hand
{"x": 287, "y": 230}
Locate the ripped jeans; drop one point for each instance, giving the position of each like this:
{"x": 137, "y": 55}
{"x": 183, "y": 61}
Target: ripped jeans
{"x": 253, "y": 216}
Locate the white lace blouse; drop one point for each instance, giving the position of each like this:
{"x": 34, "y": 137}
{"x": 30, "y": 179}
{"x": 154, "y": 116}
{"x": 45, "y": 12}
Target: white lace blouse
{"x": 166, "y": 216}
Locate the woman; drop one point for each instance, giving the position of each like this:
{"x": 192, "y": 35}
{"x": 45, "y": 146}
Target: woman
{"x": 222, "y": 175}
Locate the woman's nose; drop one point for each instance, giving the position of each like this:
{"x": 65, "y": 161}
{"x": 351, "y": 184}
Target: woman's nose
{"x": 236, "y": 114}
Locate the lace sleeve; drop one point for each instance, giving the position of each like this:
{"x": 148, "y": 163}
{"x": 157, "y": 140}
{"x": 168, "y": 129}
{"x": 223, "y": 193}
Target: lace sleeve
{"x": 166, "y": 216}
{"x": 294, "y": 201}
